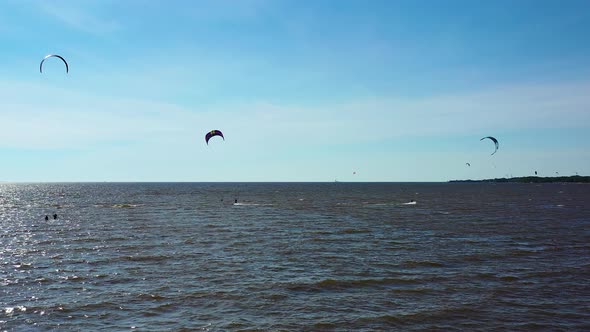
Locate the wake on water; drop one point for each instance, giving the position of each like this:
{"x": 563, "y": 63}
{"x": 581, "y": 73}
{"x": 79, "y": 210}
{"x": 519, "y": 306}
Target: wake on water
{"x": 252, "y": 204}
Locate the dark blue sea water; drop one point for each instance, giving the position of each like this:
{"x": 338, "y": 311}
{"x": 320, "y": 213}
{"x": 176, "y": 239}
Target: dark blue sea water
{"x": 295, "y": 257}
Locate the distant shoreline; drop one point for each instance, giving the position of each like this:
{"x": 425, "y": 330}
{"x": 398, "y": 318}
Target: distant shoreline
{"x": 535, "y": 179}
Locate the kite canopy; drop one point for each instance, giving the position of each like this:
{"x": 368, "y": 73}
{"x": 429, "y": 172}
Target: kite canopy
{"x": 213, "y": 133}
{"x": 468, "y": 164}
{"x": 53, "y": 56}
{"x": 493, "y": 140}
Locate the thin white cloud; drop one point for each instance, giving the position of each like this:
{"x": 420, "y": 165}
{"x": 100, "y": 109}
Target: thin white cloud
{"x": 58, "y": 118}
{"x": 80, "y": 15}
{"x": 221, "y": 10}
{"x": 501, "y": 109}
{"x": 61, "y": 118}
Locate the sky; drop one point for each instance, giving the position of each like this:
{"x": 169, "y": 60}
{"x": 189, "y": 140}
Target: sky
{"x": 303, "y": 90}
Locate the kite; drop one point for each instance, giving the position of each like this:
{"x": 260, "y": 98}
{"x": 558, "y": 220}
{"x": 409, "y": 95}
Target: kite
{"x": 213, "y": 133}
{"x": 495, "y": 142}
{"x": 53, "y": 56}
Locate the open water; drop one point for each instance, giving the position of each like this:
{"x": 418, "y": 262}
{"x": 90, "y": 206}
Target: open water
{"x": 295, "y": 257}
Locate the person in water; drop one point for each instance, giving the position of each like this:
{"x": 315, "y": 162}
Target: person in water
{"x": 55, "y": 216}
{"x": 235, "y": 201}
{"x": 46, "y": 218}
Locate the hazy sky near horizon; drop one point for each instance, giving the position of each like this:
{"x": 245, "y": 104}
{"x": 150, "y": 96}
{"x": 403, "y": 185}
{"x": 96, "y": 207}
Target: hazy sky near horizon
{"x": 302, "y": 90}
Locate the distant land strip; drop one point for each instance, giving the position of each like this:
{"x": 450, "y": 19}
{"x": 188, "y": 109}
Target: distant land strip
{"x": 535, "y": 179}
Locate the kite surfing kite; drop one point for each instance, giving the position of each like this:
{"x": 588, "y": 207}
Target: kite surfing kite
{"x": 53, "y": 56}
{"x": 495, "y": 142}
{"x": 213, "y": 133}
{"x": 468, "y": 164}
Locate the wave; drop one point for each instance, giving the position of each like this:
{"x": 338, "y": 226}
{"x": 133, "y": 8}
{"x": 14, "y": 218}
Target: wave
{"x": 74, "y": 278}
{"x": 494, "y": 276}
{"x": 370, "y": 204}
{"x": 430, "y": 317}
{"x": 334, "y": 284}
{"x": 151, "y": 296}
{"x": 23, "y": 265}
{"x": 417, "y": 291}
{"x": 125, "y": 206}
{"x": 421, "y": 264}
{"x": 9, "y": 311}
{"x": 117, "y": 205}
{"x": 253, "y": 204}
{"x": 354, "y": 231}
{"x": 147, "y": 258}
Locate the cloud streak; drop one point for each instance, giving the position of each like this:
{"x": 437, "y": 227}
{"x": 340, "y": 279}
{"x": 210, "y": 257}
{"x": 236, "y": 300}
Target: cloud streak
{"x": 62, "y": 118}
{"x": 79, "y": 15}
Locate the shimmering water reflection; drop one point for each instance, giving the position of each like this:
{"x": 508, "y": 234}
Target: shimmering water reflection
{"x": 294, "y": 257}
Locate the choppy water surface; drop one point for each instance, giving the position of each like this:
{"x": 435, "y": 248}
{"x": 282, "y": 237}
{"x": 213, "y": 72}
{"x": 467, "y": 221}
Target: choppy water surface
{"x": 295, "y": 257}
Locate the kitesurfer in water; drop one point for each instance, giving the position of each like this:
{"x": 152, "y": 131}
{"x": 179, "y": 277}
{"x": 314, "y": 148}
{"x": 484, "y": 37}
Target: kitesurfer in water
{"x": 235, "y": 201}
{"x": 55, "y": 216}
{"x": 46, "y": 218}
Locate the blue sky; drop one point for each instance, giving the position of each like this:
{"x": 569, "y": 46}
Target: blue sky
{"x": 303, "y": 90}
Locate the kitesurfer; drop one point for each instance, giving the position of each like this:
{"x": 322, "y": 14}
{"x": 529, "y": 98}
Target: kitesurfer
{"x": 46, "y": 218}
{"x": 55, "y": 216}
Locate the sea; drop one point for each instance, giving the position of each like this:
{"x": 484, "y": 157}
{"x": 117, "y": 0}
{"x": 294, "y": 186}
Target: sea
{"x": 294, "y": 257}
